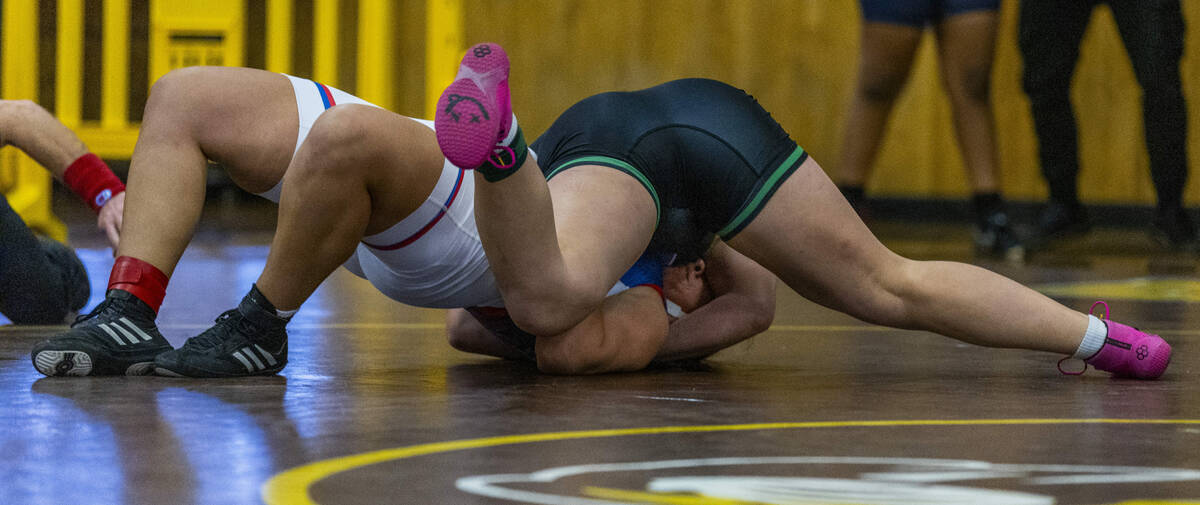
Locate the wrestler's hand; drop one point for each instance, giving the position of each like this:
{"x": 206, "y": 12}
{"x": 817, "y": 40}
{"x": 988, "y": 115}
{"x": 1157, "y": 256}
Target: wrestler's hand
{"x": 110, "y": 219}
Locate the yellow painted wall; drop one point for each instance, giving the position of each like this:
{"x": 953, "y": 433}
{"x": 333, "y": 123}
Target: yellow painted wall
{"x": 798, "y": 57}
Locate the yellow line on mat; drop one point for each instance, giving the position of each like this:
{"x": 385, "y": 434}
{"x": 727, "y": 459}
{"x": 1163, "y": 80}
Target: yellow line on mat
{"x": 291, "y": 486}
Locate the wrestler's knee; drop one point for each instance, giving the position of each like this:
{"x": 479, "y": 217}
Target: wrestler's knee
{"x": 895, "y": 294}
{"x": 176, "y": 84}
{"x": 339, "y": 146}
{"x": 543, "y": 314}
{"x": 340, "y": 133}
{"x": 178, "y": 95}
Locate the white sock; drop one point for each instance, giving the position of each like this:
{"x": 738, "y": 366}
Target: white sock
{"x": 1093, "y": 338}
{"x": 286, "y": 313}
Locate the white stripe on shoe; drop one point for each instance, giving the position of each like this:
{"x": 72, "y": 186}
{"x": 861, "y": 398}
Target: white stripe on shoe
{"x": 135, "y": 329}
{"x": 265, "y": 354}
{"x": 253, "y": 357}
{"x": 132, "y": 339}
{"x": 111, "y": 333}
{"x": 238, "y": 355}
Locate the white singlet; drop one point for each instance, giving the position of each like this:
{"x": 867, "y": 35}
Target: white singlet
{"x": 431, "y": 258}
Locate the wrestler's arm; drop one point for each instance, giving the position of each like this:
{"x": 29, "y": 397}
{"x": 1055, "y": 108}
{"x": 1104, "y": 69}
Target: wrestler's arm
{"x": 626, "y": 332}
{"x": 467, "y": 334}
{"x": 743, "y": 306}
{"x": 622, "y": 335}
{"x": 30, "y": 128}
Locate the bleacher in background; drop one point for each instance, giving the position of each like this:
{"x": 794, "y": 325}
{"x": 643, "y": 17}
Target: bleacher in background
{"x": 92, "y": 62}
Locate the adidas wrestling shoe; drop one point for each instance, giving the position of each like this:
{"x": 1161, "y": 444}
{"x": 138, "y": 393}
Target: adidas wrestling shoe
{"x": 474, "y": 113}
{"x": 248, "y": 340}
{"x": 1128, "y": 352}
{"x": 117, "y": 338}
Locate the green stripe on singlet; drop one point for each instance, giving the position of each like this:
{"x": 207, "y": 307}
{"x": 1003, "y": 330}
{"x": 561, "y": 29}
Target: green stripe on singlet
{"x": 619, "y": 165}
{"x": 755, "y": 204}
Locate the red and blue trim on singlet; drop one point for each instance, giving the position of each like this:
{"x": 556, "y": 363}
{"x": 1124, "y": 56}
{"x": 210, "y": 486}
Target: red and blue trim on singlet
{"x": 428, "y": 226}
{"x": 326, "y": 95}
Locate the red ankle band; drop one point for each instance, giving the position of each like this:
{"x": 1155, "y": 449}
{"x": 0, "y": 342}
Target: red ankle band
{"x": 141, "y": 279}
{"x": 92, "y": 180}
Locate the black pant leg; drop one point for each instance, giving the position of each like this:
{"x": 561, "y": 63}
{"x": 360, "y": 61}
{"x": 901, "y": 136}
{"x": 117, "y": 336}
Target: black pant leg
{"x": 1049, "y": 34}
{"x": 1153, "y": 32}
{"x": 32, "y": 288}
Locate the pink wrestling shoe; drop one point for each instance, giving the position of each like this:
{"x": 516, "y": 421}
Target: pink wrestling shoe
{"x": 474, "y": 112}
{"x": 1128, "y": 352}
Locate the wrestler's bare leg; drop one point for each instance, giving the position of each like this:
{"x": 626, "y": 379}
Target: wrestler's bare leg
{"x": 810, "y": 237}
{"x": 244, "y": 119}
{"x": 360, "y": 170}
{"x": 554, "y": 262}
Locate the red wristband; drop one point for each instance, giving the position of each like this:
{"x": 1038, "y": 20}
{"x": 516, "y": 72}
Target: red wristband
{"x": 92, "y": 180}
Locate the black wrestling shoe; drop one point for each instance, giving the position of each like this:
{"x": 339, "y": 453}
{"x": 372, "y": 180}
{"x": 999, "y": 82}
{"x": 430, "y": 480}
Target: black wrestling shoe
{"x": 117, "y": 338}
{"x": 248, "y": 340}
{"x": 994, "y": 236}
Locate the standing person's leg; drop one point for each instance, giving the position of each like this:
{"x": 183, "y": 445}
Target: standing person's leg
{"x": 41, "y": 281}
{"x": 966, "y": 43}
{"x": 888, "y": 44}
{"x": 851, "y": 271}
{"x": 554, "y": 263}
{"x": 1049, "y": 36}
{"x": 360, "y": 171}
{"x": 1153, "y": 32}
{"x": 244, "y": 119}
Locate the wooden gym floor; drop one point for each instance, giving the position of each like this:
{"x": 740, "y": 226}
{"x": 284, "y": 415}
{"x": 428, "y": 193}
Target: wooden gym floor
{"x": 375, "y": 407}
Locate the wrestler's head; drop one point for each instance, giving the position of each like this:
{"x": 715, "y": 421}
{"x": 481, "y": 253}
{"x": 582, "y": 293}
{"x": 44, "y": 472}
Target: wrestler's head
{"x": 686, "y": 285}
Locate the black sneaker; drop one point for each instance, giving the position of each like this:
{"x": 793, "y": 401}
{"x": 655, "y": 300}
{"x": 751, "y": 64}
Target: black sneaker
{"x": 1175, "y": 229}
{"x": 995, "y": 236}
{"x": 245, "y": 341}
{"x": 117, "y": 338}
{"x": 1059, "y": 220}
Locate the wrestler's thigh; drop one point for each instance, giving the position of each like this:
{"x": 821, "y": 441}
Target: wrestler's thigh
{"x": 395, "y": 157}
{"x": 811, "y": 238}
{"x": 245, "y": 119}
{"x": 604, "y": 219}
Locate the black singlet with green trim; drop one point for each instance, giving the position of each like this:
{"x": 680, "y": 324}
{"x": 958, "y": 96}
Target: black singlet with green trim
{"x": 709, "y": 155}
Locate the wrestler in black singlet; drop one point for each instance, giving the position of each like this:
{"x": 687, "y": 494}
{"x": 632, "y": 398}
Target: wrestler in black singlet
{"x": 707, "y": 153}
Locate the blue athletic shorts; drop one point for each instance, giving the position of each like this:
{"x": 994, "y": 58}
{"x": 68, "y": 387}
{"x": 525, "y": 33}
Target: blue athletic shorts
{"x": 919, "y": 13}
